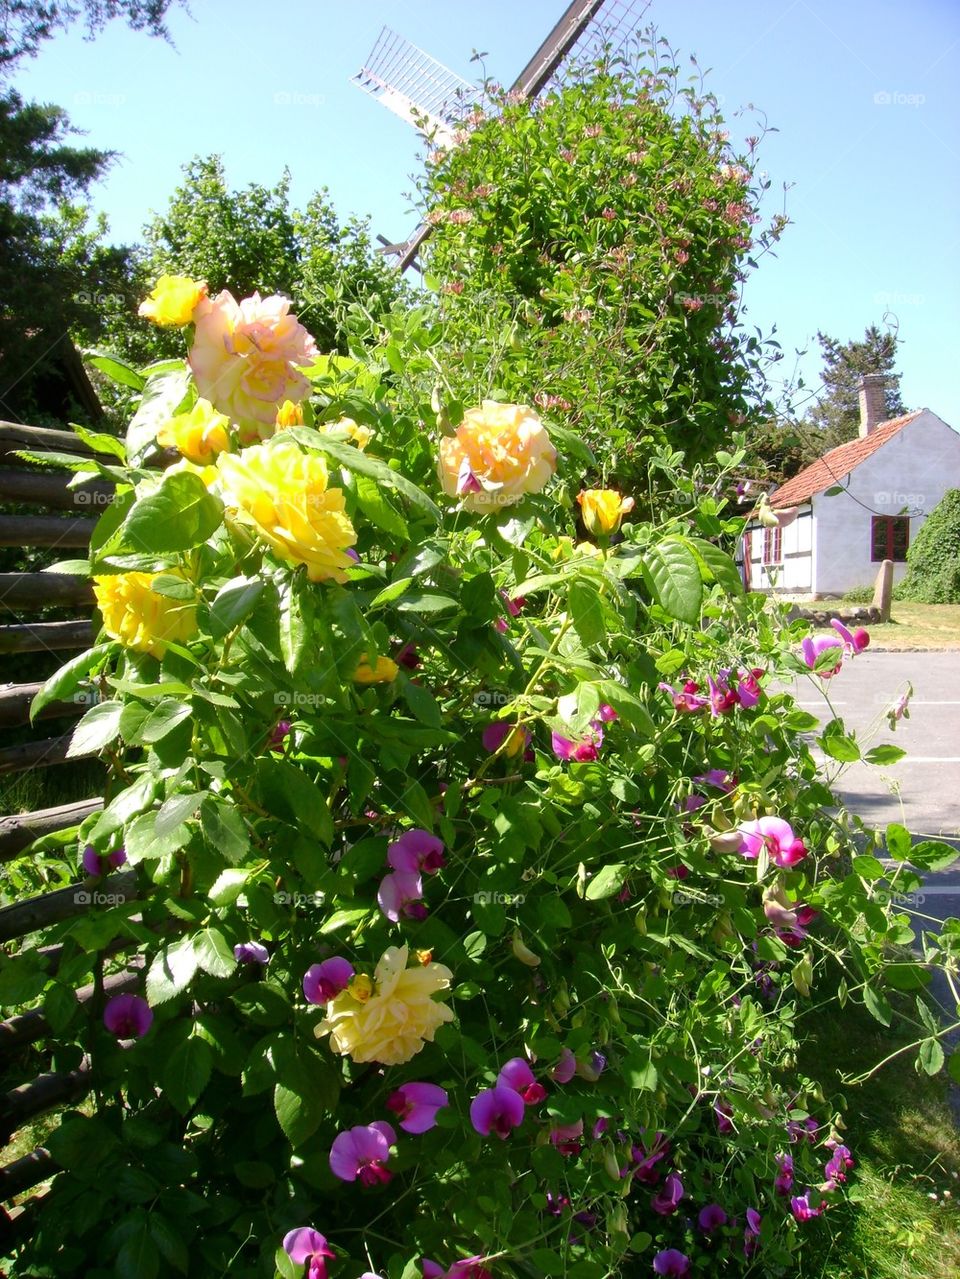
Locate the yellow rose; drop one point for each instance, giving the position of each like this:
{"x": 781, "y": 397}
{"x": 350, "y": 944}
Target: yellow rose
{"x": 499, "y": 453}
{"x": 565, "y": 549}
{"x": 209, "y": 474}
{"x": 385, "y": 671}
{"x": 289, "y": 414}
{"x": 173, "y": 300}
{"x": 282, "y": 493}
{"x": 199, "y": 435}
{"x": 138, "y": 617}
{"x": 603, "y": 509}
{"x": 361, "y": 435}
{"x": 392, "y": 1024}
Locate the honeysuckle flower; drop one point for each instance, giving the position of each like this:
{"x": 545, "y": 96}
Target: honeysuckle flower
{"x": 566, "y": 1138}
{"x": 565, "y": 1068}
{"x": 811, "y": 650}
{"x": 384, "y": 672}
{"x": 516, "y": 1074}
{"x": 646, "y": 1170}
{"x": 282, "y": 494}
{"x": 127, "y": 1016}
{"x": 498, "y": 1110}
{"x": 323, "y": 982}
{"x": 724, "y": 1114}
{"x": 773, "y": 833}
{"x": 499, "y": 453}
{"x": 246, "y": 358}
{"x": 416, "y": 1105}
{"x": 802, "y": 1208}
{"x": 401, "y": 893}
{"x": 173, "y": 300}
{"x": 95, "y": 863}
{"x": 400, "y": 1014}
{"x": 672, "y": 1264}
{"x": 667, "y": 1198}
{"x": 304, "y": 1244}
{"x": 416, "y": 851}
{"x": 279, "y": 735}
{"x": 838, "y": 1165}
{"x": 853, "y": 642}
{"x": 783, "y": 1182}
{"x": 712, "y": 1217}
{"x": 251, "y": 952}
{"x": 361, "y": 1153}
{"x": 138, "y": 617}
{"x": 689, "y": 699}
{"x": 517, "y": 738}
{"x": 580, "y": 750}
{"x": 602, "y": 510}
{"x": 199, "y": 435}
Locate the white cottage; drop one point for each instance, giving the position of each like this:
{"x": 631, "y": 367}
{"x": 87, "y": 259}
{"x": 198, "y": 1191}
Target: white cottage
{"x": 891, "y": 477}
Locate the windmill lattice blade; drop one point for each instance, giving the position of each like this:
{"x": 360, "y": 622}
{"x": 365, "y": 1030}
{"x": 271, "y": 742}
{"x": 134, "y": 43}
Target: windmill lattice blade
{"x": 413, "y": 85}
{"x": 610, "y": 27}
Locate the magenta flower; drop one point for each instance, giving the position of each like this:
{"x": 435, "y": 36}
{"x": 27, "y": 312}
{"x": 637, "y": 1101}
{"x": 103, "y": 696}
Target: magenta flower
{"x": 606, "y": 714}
{"x": 783, "y": 1183}
{"x": 688, "y": 699}
{"x": 783, "y": 847}
{"x": 799, "y": 1130}
{"x": 853, "y": 643}
{"x": 565, "y": 1068}
{"x": 566, "y": 1138}
{"x": 251, "y": 952}
{"x": 361, "y": 1153}
{"x": 838, "y": 1166}
{"x": 401, "y": 893}
{"x": 517, "y": 1074}
{"x": 672, "y": 1263}
{"x": 668, "y": 1197}
{"x": 416, "y": 1106}
{"x": 513, "y": 607}
{"x": 724, "y": 1114}
{"x": 718, "y": 778}
{"x": 712, "y": 1217}
{"x": 582, "y": 750}
{"x": 279, "y": 735}
{"x": 495, "y": 734}
{"x": 497, "y": 1110}
{"x": 408, "y": 657}
{"x": 95, "y": 863}
{"x": 308, "y": 1245}
{"x": 749, "y": 691}
{"x": 722, "y": 696}
{"x": 812, "y": 648}
{"x": 592, "y": 1066}
{"x": 127, "y": 1016}
{"x": 323, "y": 982}
{"x": 646, "y": 1170}
{"x": 752, "y": 1232}
{"x": 416, "y": 852}
{"x": 467, "y": 481}
{"x": 467, "y": 1268}
{"x": 802, "y": 1209}
{"x": 753, "y": 1221}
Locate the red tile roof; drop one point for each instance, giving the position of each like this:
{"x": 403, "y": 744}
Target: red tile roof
{"x": 835, "y": 465}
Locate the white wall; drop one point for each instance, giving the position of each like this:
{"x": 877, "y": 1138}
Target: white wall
{"x": 795, "y": 574}
{"x": 908, "y": 475}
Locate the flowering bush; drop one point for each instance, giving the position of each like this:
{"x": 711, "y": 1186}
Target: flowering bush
{"x": 471, "y": 945}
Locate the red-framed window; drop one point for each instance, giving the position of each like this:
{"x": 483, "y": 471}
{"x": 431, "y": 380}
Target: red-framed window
{"x": 889, "y": 538}
{"x": 773, "y": 546}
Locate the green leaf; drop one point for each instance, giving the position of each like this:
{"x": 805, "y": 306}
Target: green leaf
{"x": 954, "y": 1066}
{"x": 932, "y": 854}
{"x": 176, "y": 810}
{"x": 672, "y": 576}
{"x": 172, "y": 971}
{"x": 161, "y": 398}
{"x": 213, "y": 953}
{"x": 306, "y": 1092}
{"x": 233, "y": 604}
{"x": 181, "y": 514}
{"x": 586, "y": 612}
{"x": 868, "y": 868}
{"x": 931, "y": 1056}
{"x": 224, "y": 829}
{"x": 138, "y": 1258}
{"x": 116, "y": 370}
{"x": 123, "y": 807}
{"x": 296, "y": 622}
{"x": 163, "y": 719}
{"x": 378, "y": 510}
{"x": 391, "y": 593}
{"x": 717, "y": 564}
{"x": 425, "y": 602}
{"x": 607, "y": 881}
{"x": 360, "y": 464}
{"x": 640, "y": 1073}
{"x": 68, "y": 678}
{"x": 840, "y": 747}
{"x": 877, "y": 1005}
{"x": 422, "y": 703}
{"x": 99, "y": 726}
{"x": 288, "y": 793}
{"x": 907, "y": 976}
{"x": 143, "y": 842}
{"x": 884, "y": 755}
{"x": 170, "y": 1241}
{"x": 264, "y": 1004}
{"x": 228, "y": 886}
{"x": 187, "y": 1072}
{"x": 898, "y": 841}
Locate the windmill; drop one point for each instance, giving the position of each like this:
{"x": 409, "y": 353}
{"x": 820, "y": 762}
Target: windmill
{"x": 430, "y": 96}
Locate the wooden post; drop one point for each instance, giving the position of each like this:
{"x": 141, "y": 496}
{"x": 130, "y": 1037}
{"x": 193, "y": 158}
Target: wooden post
{"x": 64, "y": 903}
{"x": 44, "y": 530}
{"x": 883, "y": 590}
{"x": 43, "y": 590}
{"x": 21, "y": 829}
{"x": 45, "y": 488}
{"x": 37, "y": 637}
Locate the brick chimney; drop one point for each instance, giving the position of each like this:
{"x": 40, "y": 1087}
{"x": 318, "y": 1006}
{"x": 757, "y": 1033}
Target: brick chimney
{"x": 873, "y": 401}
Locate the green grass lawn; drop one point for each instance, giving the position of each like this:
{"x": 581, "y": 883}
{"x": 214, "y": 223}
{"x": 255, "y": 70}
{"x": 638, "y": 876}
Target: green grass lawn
{"x": 918, "y": 626}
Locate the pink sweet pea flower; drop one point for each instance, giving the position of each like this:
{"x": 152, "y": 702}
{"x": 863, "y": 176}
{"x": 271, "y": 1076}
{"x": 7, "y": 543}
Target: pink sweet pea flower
{"x": 513, "y": 607}
{"x": 497, "y": 1110}
{"x": 783, "y": 1182}
{"x": 416, "y": 1106}
{"x": 606, "y": 714}
{"x": 565, "y": 1068}
{"x": 722, "y": 696}
{"x": 802, "y": 1209}
{"x": 401, "y": 893}
{"x": 688, "y": 699}
{"x": 754, "y": 1221}
{"x": 719, "y": 778}
{"x": 251, "y": 952}
{"x": 854, "y": 642}
{"x": 672, "y": 1264}
{"x": 495, "y": 734}
{"x": 748, "y": 688}
{"x": 646, "y": 1170}
{"x": 279, "y": 735}
{"x": 361, "y": 1153}
{"x": 724, "y": 1114}
{"x": 566, "y": 1138}
{"x": 308, "y": 1245}
{"x": 127, "y": 1016}
{"x": 838, "y": 1166}
{"x": 581, "y": 750}
{"x": 668, "y": 1197}
{"x": 712, "y": 1217}
{"x": 812, "y": 648}
{"x": 469, "y": 1268}
{"x": 416, "y": 852}
{"x": 517, "y": 1074}
{"x": 323, "y": 982}
{"x": 467, "y": 481}
{"x": 95, "y": 863}
{"x": 783, "y": 847}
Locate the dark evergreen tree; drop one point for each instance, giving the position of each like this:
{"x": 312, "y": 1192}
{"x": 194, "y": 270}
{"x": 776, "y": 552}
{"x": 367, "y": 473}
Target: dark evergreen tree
{"x": 837, "y": 414}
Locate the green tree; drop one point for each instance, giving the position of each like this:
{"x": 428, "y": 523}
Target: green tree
{"x": 837, "y": 414}
{"x": 933, "y": 560}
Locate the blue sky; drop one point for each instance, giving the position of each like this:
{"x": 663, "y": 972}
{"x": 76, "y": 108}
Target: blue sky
{"x": 863, "y": 97}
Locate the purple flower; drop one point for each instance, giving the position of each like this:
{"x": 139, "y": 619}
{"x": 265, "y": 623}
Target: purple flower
{"x": 401, "y": 893}
{"x": 712, "y": 1217}
{"x": 853, "y": 643}
{"x": 776, "y": 835}
{"x": 497, "y": 1110}
{"x": 724, "y": 1114}
{"x": 566, "y": 1138}
{"x": 565, "y": 1068}
{"x": 467, "y": 481}
{"x": 689, "y": 698}
{"x": 323, "y": 982}
{"x": 361, "y": 1153}
{"x": 753, "y": 1221}
{"x": 718, "y": 778}
{"x": 517, "y": 1075}
{"x": 279, "y": 735}
{"x": 811, "y": 650}
{"x": 647, "y": 1160}
{"x": 668, "y": 1197}
{"x": 95, "y": 863}
{"x": 251, "y": 952}
{"x": 784, "y": 1179}
{"x": 495, "y": 734}
{"x": 802, "y": 1209}
{"x": 748, "y": 688}
{"x": 672, "y": 1263}
{"x": 806, "y": 1129}
{"x": 408, "y": 657}
{"x": 416, "y": 852}
{"x": 127, "y": 1016}
{"x": 306, "y": 1244}
{"x": 837, "y": 1167}
{"x": 582, "y": 750}
{"x": 606, "y": 714}
{"x": 591, "y": 1067}
{"x": 416, "y": 1106}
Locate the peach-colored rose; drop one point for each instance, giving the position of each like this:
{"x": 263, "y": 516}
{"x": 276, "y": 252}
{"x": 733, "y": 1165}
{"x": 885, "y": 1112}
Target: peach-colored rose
{"x": 246, "y": 359}
{"x": 499, "y": 453}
